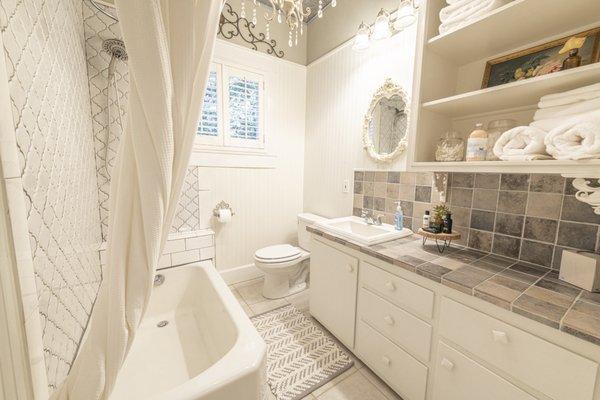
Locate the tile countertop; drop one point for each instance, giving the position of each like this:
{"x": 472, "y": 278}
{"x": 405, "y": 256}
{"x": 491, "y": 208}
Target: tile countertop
{"x": 526, "y": 289}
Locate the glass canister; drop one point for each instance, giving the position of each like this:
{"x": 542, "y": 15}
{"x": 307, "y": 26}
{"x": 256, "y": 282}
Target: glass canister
{"x": 495, "y": 130}
{"x": 450, "y": 147}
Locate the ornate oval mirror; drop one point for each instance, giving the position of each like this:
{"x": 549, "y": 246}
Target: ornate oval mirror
{"x": 385, "y": 127}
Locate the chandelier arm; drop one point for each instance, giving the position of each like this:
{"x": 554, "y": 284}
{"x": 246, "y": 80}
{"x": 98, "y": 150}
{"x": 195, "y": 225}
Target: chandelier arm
{"x": 268, "y": 17}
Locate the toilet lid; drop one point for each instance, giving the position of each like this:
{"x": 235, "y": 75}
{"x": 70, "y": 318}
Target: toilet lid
{"x": 280, "y": 252}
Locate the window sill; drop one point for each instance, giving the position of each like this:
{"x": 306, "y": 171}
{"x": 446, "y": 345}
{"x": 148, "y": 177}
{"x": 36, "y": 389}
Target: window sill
{"x": 205, "y": 156}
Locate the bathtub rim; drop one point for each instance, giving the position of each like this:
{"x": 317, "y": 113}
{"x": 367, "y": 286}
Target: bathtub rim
{"x": 245, "y": 357}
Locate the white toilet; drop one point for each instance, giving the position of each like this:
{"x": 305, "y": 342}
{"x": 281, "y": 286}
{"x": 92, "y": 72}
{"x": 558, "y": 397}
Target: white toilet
{"x": 286, "y": 266}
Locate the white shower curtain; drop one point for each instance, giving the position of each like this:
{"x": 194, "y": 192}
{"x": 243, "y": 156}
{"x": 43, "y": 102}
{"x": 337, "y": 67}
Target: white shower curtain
{"x": 170, "y": 45}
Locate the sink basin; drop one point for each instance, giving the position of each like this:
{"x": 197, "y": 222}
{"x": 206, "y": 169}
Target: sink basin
{"x": 357, "y": 230}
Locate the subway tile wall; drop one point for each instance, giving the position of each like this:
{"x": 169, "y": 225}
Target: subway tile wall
{"x": 183, "y": 248}
{"x": 531, "y": 217}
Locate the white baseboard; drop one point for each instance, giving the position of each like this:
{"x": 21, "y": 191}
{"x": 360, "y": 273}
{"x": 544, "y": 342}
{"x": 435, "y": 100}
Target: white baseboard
{"x": 241, "y": 274}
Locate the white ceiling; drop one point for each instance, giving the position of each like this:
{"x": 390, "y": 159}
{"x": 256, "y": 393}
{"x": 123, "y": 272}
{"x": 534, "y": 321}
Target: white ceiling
{"x": 312, "y": 4}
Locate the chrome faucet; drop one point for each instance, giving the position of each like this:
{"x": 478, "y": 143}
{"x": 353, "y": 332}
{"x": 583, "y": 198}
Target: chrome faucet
{"x": 366, "y": 216}
{"x": 370, "y": 219}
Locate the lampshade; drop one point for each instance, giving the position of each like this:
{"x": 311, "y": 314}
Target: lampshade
{"x": 361, "y": 40}
{"x": 381, "y": 28}
{"x": 406, "y": 15}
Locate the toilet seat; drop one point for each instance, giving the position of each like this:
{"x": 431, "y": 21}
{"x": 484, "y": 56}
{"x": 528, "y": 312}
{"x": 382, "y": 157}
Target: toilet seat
{"x": 281, "y": 253}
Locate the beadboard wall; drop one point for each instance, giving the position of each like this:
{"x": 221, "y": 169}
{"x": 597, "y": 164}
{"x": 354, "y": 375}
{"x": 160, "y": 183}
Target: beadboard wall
{"x": 340, "y": 86}
{"x": 266, "y": 198}
{"x": 52, "y": 191}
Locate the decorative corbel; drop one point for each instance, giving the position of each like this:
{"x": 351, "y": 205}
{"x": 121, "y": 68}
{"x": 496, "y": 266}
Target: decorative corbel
{"x": 588, "y": 194}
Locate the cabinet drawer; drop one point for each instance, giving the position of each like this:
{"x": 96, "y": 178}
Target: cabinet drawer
{"x": 404, "y": 374}
{"x": 396, "y": 324}
{"x": 399, "y": 291}
{"x": 458, "y": 377}
{"x": 552, "y": 370}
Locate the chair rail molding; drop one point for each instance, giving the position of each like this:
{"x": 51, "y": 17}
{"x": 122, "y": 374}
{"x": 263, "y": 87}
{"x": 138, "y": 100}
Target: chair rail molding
{"x": 587, "y": 193}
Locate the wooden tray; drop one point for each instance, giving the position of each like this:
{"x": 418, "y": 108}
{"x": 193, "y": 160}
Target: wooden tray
{"x": 445, "y": 238}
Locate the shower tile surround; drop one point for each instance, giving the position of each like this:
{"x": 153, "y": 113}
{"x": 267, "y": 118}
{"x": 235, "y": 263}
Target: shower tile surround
{"x": 49, "y": 93}
{"x": 97, "y": 28}
{"x": 57, "y": 76}
{"x": 530, "y": 217}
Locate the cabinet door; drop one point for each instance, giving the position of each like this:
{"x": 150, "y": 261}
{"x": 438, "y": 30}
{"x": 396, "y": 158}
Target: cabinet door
{"x": 460, "y": 378}
{"x": 333, "y": 284}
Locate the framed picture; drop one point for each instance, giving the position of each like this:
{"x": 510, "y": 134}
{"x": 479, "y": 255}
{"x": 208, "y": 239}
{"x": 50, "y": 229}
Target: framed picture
{"x": 558, "y": 55}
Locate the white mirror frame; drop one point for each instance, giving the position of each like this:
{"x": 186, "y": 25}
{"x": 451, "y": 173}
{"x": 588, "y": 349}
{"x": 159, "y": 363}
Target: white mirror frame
{"x": 388, "y": 90}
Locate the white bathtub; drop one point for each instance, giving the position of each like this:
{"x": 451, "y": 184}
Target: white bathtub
{"x": 209, "y": 350}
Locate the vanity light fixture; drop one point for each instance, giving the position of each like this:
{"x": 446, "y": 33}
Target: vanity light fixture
{"x": 362, "y": 40}
{"x": 382, "y": 29}
{"x": 385, "y": 26}
{"x": 406, "y": 15}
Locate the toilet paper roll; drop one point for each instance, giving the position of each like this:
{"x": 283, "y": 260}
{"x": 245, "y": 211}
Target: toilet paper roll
{"x": 224, "y": 215}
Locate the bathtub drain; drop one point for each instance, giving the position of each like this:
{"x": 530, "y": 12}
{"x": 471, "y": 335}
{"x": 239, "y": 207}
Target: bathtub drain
{"x": 162, "y": 324}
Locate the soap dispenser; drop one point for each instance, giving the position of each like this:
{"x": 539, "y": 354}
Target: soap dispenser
{"x": 399, "y": 217}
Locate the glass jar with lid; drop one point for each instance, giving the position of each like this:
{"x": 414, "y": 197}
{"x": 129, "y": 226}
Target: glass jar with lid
{"x": 450, "y": 147}
{"x": 495, "y": 130}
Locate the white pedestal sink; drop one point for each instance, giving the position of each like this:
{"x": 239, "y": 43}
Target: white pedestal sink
{"x": 357, "y": 230}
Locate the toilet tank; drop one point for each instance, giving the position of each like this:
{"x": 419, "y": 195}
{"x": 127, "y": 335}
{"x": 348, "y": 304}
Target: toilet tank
{"x": 304, "y": 220}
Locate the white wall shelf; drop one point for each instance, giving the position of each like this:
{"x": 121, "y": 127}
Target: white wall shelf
{"x": 449, "y": 69}
{"x": 516, "y": 94}
{"x": 569, "y": 168}
{"x": 515, "y": 24}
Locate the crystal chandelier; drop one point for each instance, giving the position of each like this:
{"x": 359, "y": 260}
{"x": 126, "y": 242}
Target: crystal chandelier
{"x": 293, "y": 12}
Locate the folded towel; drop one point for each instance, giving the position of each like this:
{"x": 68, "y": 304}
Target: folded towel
{"x": 527, "y": 157}
{"x": 568, "y": 110}
{"x": 576, "y": 139}
{"x": 458, "y": 8}
{"x": 459, "y": 19}
{"x": 520, "y": 141}
{"x": 568, "y": 100}
{"x": 583, "y": 89}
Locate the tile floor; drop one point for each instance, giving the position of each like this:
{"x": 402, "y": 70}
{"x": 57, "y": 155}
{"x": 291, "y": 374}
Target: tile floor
{"x": 358, "y": 383}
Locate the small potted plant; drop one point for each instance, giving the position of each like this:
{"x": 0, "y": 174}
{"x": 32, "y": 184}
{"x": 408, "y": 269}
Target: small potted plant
{"x": 437, "y": 219}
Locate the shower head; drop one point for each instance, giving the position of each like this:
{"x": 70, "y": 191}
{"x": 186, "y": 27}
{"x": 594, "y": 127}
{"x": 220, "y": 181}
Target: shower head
{"x": 116, "y": 49}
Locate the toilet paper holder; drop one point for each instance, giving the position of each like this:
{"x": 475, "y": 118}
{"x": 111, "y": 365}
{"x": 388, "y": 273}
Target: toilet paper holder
{"x": 222, "y": 206}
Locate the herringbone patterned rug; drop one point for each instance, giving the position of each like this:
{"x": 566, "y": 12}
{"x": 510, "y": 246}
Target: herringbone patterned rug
{"x": 300, "y": 357}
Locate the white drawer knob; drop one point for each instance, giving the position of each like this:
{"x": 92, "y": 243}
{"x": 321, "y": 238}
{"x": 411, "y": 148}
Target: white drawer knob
{"x": 390, "y": 286}
{"x": 350, "y": 268}
{"x": 386, "y": 360}
{"x": 500, "y": 337}
{"x": 447, "y": 364}
{"x": 389, "y": 320}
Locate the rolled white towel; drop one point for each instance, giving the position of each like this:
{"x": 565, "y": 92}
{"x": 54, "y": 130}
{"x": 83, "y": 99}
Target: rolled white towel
{"x": 576, "y": 139}
{"x": 548, "y": 124}
{"x": 461, "y": 7}
{"x": 520, "y": 141}
{"x": 463, "y": 18}
{"x": 568, "y": 110}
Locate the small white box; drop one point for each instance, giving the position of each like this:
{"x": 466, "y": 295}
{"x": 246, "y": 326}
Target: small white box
{"x": 581, "y": 268}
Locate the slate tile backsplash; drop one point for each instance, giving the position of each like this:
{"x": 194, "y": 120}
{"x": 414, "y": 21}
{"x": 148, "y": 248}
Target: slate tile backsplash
{"x": 532, "y": 217}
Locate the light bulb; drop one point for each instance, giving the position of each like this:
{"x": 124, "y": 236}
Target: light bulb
{"x": 381, "y": 28}
{"x": 333, "y": 3}
{"x": 406, "y": 15}
{"x": 361, "y": 40}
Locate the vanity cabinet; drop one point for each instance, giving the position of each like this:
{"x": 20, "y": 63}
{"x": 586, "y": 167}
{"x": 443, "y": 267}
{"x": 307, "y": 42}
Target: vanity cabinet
{"x": 428, "y": 341}
{"x": 333, "y": 283}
